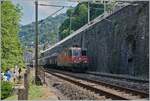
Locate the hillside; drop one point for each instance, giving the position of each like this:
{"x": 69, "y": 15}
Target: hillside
{"x": 48, "y": 29}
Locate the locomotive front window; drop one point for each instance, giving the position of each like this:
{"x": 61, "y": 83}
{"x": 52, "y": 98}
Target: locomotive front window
{"x": 69, "y": 53}
{"x": 76, "y": 52}
{"x": 83, "y": 52}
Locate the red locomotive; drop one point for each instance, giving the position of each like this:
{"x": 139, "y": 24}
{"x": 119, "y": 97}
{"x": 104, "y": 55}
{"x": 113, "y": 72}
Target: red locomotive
{"x": 73, "y": 59}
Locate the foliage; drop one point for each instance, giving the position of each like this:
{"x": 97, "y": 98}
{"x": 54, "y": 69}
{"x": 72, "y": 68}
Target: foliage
{"x": 6, "y": 89}
{"x": 79, "y": 17}
{"x": 11, "y": 49}
{"x": 96, "y": 10}
{"x": 110, "y": 5}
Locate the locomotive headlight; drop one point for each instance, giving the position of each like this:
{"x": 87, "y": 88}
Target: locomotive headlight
{"x": 85, "y": 61}
{"x": 75, "y": 61}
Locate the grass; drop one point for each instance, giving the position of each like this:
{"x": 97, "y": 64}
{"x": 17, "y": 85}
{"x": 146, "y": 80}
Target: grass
{"x": 13, "y": 97}
{"x": 35, "y": 92}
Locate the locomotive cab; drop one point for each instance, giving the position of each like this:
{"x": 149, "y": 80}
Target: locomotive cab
{"x": 79, "y": 55}
{"x": 79, "y": 59}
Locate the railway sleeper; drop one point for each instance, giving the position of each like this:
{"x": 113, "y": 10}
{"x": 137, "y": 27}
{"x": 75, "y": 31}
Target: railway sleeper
{"x": 114, "y": 87}
{"x": 96, "y": 90}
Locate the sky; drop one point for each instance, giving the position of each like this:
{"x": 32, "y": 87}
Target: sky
{"x": 28, "y": 9}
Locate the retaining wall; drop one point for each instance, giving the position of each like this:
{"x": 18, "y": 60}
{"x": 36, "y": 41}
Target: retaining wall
{"x": 118, "y": 45}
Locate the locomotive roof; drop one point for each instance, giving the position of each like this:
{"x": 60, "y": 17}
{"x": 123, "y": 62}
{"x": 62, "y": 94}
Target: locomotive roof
{"x": 86, "y": 26}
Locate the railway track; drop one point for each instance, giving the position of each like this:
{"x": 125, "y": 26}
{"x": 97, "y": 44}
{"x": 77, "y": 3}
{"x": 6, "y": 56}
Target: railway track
{"x": 103, "y": 89}
{"x": 132, "y": 79}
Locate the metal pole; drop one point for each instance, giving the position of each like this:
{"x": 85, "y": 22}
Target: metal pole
{"x": 70, "y": 24}
{"x": 88, "y": 12}
{"x": 58, "y": 38}
{"x": 36, "y": 41}
{"x": 104, "y": 7}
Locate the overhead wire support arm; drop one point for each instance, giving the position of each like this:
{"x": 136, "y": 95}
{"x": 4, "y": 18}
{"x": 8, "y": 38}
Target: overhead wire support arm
{"x": 57, "y": 11}
{"x": 55, "y": 5}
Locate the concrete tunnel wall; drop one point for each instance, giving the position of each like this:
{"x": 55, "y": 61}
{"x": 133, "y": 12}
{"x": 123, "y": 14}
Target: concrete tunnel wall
{"x": 120, "y": 46}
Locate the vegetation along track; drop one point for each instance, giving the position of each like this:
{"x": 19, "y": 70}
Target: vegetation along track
{"x": 101, "y": 88}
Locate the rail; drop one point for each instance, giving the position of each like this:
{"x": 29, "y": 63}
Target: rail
{"x": 113, "y": 91}
{"x": 134, "y": 79}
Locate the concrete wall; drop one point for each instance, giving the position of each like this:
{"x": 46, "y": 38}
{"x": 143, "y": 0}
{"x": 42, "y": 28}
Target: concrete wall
{"x": 119, "y": 46}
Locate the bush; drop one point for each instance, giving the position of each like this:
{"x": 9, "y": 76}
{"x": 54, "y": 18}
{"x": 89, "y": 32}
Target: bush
{"x": 6, "y": 89}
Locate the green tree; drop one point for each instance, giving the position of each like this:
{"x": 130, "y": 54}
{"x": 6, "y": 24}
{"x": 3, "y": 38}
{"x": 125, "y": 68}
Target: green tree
{"x": 110, "y": 5}
{"x": 79, "y": 17}
{"x": 12, "y": 53}
{"x": 96, "y": 10}
{"x": 69, "y": 12}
